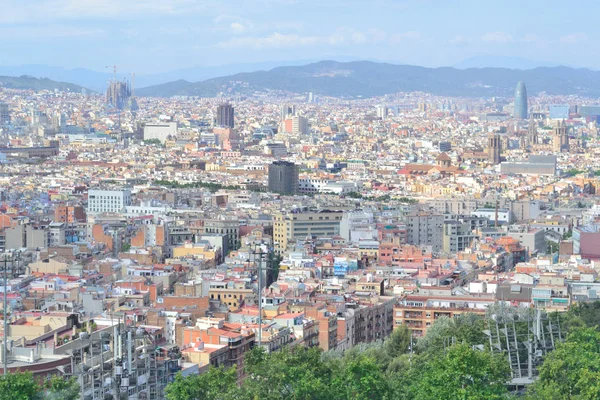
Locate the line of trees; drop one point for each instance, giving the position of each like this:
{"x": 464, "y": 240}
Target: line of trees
{"x": 431, "y": 369}
{"x": 398, "y": 368}
{"x": 213, "y": 187}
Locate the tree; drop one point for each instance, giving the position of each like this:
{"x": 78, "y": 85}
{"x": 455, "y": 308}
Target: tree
{"x": 59, "y": 388}
{"x": 291, "y": 373}
{"x": 461, "y": 373}
{"x": 588, "y": 313}
{"x": 398, "y": 342}
{"x": 465, "y": 328}
{"x": 572, "y": 370}
{"x": 359, "y": 379}
{"x": 18, "y": 386}
{"x": 216, "y": 384}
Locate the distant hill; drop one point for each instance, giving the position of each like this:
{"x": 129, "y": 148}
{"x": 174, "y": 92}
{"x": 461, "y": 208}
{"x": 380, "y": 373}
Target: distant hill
{"x": 365, "y": 78}
{"x": 97, "y": 80}
{"x": 502, "y": 62}
{"x": 29, "y": 82}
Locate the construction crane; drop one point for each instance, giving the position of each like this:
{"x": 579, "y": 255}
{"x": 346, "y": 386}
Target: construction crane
{"x": 114, "y": 67}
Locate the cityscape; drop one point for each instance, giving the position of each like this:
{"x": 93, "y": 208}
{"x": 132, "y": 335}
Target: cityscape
{"x": 326, "y": 230}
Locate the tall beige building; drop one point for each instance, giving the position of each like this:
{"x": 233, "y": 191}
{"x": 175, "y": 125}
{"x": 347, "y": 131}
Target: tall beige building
{"x": 289, "y": 226}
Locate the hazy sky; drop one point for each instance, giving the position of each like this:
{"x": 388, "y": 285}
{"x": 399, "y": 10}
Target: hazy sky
{"x": 162, "y": 35}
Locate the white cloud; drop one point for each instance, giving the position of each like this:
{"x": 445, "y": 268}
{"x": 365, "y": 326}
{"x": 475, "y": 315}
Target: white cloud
{"x": 359, "y": 38}
{"x": 376, "y": 35}
{"x": 574, "y": 38}
{"x": 282, "y": 41}
{"x": 13, "y": 11}
{"x": 497, "y": 37}
{"x": 406, "y": 36}
{"x": 278, "y": 40}
{"x": 238, "y": 27}
{"x": 530, "y": 38}
{"x": 459, "y": 40}
{"x": 49, "y": 31}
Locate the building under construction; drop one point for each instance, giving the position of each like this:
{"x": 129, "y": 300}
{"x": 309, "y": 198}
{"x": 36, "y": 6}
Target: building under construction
{"x": 118, "y": 94}
{"x": 121, "y": 362}
{"x": 524, "y": 336}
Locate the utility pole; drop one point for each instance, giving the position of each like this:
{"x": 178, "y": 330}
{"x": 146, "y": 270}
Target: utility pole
{"x": 5, "y": 307}
{"x": 260, "y": 298}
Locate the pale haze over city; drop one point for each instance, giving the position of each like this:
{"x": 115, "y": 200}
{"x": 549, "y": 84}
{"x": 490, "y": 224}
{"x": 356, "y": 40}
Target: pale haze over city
{"x": 158, "y": 36}
{"x": 307, "y": 200}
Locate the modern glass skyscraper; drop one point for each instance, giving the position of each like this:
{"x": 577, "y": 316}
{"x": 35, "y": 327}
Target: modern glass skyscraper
{"x": 520, "y": 111}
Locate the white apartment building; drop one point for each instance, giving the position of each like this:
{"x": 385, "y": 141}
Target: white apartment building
{"x": 160, "y": 131}
{"x": 312, "y": 185}
{"x": 100, "y": 201}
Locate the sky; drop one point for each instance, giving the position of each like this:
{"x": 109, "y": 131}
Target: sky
{"x": 151, "y": 36}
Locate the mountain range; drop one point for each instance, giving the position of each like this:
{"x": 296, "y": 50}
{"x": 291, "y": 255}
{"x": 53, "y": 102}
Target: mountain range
{"x": 366, "y": 79}
{"x": 97, "y": 80}
{"x": 30, "y": 82}
{"x": 328, "y": 78}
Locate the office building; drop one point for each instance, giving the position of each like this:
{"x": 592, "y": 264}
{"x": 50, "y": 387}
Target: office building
{"x": 4, "y": 114}
{"x": 558, "y": 111}
{"x": 560, "y": 138}
{"x": 520, "y": 105}
{"x": 445, "y": 146}
{"x": 287, "y": 112}
{"x": 589, "y": 111}
{"x": 225, "y": 115}
{"x": 161, "y": 131}
{"x": 283, "y": 177}
{"x": 382, "y": 112}
{"x": 100, "y": 201}
{"x": 299, "y": 125}
{"x": 300, "y": 225}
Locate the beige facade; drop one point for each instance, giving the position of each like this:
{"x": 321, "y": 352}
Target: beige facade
{"x": 289, "y": 226}
{"x": 49, "y": 266}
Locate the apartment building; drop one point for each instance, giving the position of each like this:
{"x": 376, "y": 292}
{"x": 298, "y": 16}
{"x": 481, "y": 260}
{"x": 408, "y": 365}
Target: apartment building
{"x": 457, "y": 236}
{"x": 101, "y": 201}
{"x": 418, "y": 312}
{"x": 425, "y": 229}
{"x": 228, "y": 227}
